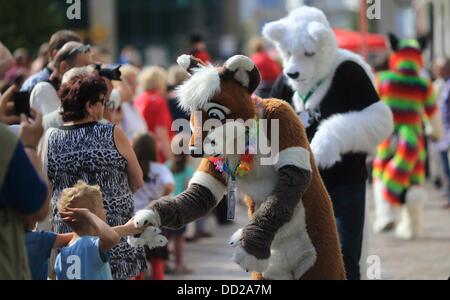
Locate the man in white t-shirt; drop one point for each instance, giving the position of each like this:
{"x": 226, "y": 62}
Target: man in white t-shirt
{"x": 44, "y": 96}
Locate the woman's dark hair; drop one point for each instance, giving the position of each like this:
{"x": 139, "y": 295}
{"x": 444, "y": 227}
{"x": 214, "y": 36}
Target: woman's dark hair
{"x": 144, "y": 146}
{"x": 78, "y": 91}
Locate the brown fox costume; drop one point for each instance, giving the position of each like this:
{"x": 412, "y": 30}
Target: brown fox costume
{"x": 292, "y": 232}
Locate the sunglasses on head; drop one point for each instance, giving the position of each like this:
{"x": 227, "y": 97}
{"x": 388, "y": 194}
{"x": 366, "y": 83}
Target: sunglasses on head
{"x": 79, "y": 49}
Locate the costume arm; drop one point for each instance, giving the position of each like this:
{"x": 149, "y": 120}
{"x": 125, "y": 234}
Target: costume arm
{"x": 436, "y": 128}
{"x": 366, "y": 122}
{"x": 205, "y": 191}
{"x": 293, "y": 165}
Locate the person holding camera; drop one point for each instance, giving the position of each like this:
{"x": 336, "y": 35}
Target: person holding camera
{"x": 44, "y": 96}
{"x": 56, "y": 42}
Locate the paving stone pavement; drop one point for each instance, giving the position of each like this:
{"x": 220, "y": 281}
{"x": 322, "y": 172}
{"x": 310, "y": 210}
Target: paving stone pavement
{"x": 425, "y": 258}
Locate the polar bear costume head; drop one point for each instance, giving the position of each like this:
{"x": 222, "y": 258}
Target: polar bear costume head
{"x": 307, "y": 45}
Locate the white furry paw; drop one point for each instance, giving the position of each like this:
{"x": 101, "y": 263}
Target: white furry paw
{"x": 149, "y": 234}
{"x": 156, "y": 242}
{"x": 147, "y": 217}
{"x": 151, "y": 238}
{"x": 326, "y": 152}
{"x": 249, "y": 262}
{"x": 135, "y": 242}
{"x": 235, "y": 238}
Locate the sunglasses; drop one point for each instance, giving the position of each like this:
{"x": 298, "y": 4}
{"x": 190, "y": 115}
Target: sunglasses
{"x": 79, "y": 49}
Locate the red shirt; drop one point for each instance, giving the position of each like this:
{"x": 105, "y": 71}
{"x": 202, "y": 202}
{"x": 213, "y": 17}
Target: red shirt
{"x": 269, "y": 69}
{"x": 202, "y": 55}
{"x": 155, "y": 111}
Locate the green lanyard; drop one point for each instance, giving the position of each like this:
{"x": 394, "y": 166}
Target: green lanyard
{"x": 306, "y": 97}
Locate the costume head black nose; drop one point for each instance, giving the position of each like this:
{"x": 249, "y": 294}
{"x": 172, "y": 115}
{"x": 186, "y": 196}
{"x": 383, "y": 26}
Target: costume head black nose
{"x": 293, "y": 75}
{"x": 195, "y": 152}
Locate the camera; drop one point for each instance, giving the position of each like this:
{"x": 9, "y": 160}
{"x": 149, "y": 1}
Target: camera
{"x": 111, "y": 74}
{"x": 22, "y": 103}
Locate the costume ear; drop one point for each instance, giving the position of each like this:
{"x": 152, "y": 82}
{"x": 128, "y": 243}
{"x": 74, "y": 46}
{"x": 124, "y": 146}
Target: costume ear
{"x": 274, "y": 31}
{"x": 317, "y": 30}
{"x": 394, "y": 41}
{"x": 243, "y": 71}
{"x": 423, "y": 42}
{"x": 189, "y": 62}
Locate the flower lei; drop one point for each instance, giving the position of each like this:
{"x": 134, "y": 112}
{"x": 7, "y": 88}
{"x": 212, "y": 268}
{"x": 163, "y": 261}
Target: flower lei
{"x": 245, "y": 164}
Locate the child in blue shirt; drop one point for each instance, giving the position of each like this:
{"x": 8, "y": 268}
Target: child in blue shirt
{"x": 87, "y": 254}
{"x": 39, "y": 245}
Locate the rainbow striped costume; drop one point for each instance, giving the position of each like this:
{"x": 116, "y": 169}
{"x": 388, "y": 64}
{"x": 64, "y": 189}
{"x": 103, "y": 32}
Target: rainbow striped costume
{"x": 400, "y": 160}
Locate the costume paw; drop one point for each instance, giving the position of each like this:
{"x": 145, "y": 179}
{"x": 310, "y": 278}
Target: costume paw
{"x": 156, "y": 242}
{"x": 150, "y": 237}
{"x": 235, "y": 238}
{"x": 326, "y": 152}
{"x": 248, "y": 262}
{"x": 147, "y": 217}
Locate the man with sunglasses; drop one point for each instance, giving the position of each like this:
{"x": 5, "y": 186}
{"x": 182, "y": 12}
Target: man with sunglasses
{"x": 44, "y": 97}
{"x": 56, "y": 42}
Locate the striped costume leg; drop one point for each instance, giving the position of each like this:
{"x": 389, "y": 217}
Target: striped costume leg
{"x": 399, "y": 170}
{"x": 384, "y": 211}
{"x": 410, "y": 225}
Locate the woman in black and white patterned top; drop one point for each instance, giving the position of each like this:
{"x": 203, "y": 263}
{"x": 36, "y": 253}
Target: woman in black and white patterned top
{"x": 97, "y": 153}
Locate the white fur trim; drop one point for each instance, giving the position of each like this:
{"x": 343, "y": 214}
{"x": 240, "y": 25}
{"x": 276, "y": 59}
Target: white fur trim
{"x": 410, "y": 225}
{"x": 199, "y": 89}
{"x": 355, "y": 132}
{"x": 294, "y": 156}
{"x": 248, "y": 262}
{"x": 242, "y": 65}
{"x": 147, "y": 217}
{"x": 206, "y": 180}
{"x": 184, "y": 61}
{"x": 292, "y": 251}
{"x": 235, "y": 239}
{"x": 384, "y": 211}
{"x": 416, "y": 195}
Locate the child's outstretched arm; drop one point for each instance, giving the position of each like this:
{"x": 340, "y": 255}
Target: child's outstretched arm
{"x": 62, "y": 240}
{"x": 128, "y": 229}
{"x": 108, "y": 236}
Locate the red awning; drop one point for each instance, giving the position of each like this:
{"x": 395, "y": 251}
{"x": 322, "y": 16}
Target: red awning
{"x": 352, "y": 40}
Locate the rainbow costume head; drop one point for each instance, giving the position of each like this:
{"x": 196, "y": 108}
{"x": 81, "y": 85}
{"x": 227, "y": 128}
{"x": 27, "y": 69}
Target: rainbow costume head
{"x": 407, "y": 57}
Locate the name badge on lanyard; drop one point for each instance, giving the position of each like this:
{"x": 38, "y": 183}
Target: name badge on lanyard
{"x": 231, "y": 200}
{"x": 305, "y": 117}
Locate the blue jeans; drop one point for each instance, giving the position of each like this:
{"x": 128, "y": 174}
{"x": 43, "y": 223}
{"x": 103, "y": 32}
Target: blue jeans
{"x": 349, "y": 203}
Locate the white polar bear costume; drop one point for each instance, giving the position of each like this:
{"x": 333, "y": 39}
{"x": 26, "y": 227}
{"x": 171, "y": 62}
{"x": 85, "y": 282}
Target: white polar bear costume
{"x": 332, "y": 91}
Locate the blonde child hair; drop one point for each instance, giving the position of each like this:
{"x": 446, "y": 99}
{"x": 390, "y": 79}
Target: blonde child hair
{"x": 129, "y": 70}
{"x": 152, "y": 78}
{"x": 81, "y": 195}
